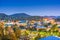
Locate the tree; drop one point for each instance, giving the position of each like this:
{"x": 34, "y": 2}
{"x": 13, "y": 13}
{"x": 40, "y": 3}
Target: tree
{"x": 54, "y": 27}
{"x": 13, "y": 36}
{"x": 18, "y": 33}
{"x": 1, "y": 30}
{"x": 38, "y": 36}
{"x": 6, "y": 37}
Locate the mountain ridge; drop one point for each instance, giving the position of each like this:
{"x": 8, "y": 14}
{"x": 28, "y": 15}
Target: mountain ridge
{"x": 13, "y": 16}
{"x": 19, "y": 16}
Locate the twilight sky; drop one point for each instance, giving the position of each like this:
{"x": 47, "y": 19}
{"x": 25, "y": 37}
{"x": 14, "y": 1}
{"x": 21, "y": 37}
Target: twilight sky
{"x": 31, "y": 7}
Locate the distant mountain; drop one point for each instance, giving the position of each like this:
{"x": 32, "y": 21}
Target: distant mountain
{"x": 17, "y": 16}
{"x": 3, "y": 16}
{"x": 57, "y": 18}
{"x": 35, "y": 17}
{"x": 20, "y": 15}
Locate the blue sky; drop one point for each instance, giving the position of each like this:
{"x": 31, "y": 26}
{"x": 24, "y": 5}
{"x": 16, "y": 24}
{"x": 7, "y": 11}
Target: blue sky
{"x": 31, "y": 7}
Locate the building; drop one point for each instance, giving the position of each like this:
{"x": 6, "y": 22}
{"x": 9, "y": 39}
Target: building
{"x": 23, "y": 22}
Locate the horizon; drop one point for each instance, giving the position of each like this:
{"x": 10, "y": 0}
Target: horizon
{"x": 27, "y": 14}
{"x": 31, "y": 7}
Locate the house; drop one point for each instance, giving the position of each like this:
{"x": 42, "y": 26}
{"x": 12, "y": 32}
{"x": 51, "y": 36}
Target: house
{"x": 23, "y": 22}
{"x": 40, "y": 27}
{"x": 58, "y": 28}
{"x": 47, "y": 20}
{"x": 9, "y": 24}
